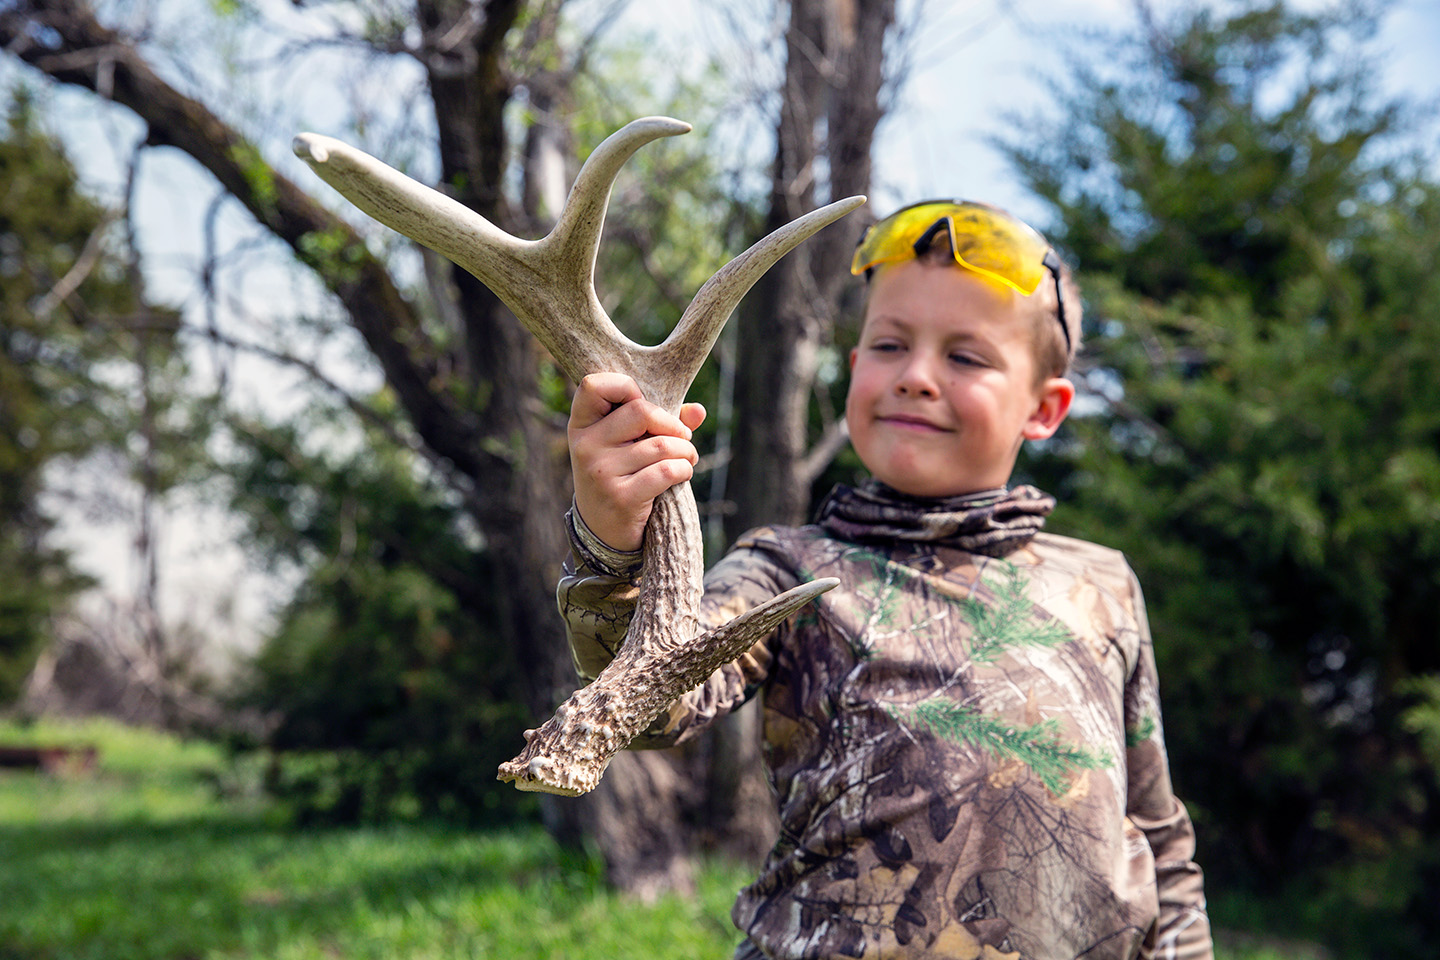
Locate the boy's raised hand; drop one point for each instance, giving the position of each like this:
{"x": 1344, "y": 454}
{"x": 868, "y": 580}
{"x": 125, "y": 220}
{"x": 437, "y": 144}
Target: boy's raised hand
{"x": 624, "y": 452}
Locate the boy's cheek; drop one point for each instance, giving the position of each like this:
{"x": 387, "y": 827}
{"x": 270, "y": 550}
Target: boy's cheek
{"x": 853, "y": 422}
{"x": 853, "y": 394}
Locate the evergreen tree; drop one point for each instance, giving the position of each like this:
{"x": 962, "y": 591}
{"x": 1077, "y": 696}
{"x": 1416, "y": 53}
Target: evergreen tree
{"x": 387, "y": 694}
{"x": 87, "y": 366}
{"x": 56, "y": 281}
{"x": 1260, "y": 432}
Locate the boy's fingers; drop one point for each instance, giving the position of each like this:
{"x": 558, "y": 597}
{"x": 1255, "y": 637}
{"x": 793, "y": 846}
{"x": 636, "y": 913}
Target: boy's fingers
{"x": 624, "y": 452}
{"x": 618, "y": 465}
{"x": 647, "y": 484}
{"x": 597, "y": 395}
{"x": 631, "y": 421}
{"x": 657, "y": 421}
{"x": 656, "y": 449}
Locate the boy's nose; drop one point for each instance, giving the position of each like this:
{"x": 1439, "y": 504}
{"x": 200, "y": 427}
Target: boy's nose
{"x": 917, "y": 380}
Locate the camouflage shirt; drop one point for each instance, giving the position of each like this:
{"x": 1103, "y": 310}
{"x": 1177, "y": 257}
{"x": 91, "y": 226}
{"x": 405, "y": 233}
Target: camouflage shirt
{"x": 963, "y": 738}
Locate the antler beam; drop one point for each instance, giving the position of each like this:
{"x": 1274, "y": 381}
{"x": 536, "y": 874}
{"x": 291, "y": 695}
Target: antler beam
{"x": 549, "y": 284}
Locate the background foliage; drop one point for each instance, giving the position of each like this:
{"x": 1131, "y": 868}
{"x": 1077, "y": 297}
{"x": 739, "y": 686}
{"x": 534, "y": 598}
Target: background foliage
{"x": 388, "y": 697}
{"x": 87, "y": 368}
{"x": 1261, "y": 437}
{"x": 1258, "y": 430}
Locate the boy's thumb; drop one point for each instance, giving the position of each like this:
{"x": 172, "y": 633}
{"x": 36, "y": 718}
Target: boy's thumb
{"x": 692, "y": 414}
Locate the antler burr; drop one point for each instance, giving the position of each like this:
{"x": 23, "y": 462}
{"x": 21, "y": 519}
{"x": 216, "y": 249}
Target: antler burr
{"x": 549, "y": 285}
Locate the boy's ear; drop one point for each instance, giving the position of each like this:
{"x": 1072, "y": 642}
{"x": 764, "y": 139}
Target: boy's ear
{"x": 1056, "y": 396}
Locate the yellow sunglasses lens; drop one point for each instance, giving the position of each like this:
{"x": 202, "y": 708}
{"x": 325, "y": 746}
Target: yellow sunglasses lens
{"x": 984, "y": 239}
{"x": 893, "y": 238}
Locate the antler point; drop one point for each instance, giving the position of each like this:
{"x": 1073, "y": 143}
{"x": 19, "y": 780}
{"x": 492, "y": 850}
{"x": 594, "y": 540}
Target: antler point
{"x": 307, "y": 146}
{"x": 670, "y": 126}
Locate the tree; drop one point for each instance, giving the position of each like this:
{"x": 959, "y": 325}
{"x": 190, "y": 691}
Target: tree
{"x": 833, "y": 99}
{"x": 1258, "y": 248}
{"x": 32, "y": 577}
{"x": 472, "y": 395}
{"x": 467, "y": 376}
{"x": 786, "y": 426}
{"x": 385, "y": 687}
{"x": 84, "y": 362}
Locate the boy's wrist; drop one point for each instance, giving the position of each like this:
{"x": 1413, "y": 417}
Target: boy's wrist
{"x": 596, "y": 553}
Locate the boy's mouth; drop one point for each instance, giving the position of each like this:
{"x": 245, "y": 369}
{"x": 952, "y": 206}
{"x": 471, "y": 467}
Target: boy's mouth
{"x": 910, "y": 421}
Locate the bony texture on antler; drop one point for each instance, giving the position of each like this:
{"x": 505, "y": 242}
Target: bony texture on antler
{"x": 549, "y": 285}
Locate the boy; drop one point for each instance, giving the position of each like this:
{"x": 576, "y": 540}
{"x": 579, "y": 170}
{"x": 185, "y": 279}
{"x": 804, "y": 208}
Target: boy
{"x": 964, "y": 736}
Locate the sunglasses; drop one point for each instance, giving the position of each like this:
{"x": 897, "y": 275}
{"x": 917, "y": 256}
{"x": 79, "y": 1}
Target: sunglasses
{"x": 982, "y": 238}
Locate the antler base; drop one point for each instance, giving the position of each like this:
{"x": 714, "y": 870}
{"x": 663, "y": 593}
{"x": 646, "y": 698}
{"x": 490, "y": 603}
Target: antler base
{"x": 568, "y": 755}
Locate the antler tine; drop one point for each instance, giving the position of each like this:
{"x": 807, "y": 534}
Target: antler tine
{"x": 578, "y": 229}
{"x": 422, "y": 213}
{"x": 676, "y": 362}
{"x": 549, "y": 283}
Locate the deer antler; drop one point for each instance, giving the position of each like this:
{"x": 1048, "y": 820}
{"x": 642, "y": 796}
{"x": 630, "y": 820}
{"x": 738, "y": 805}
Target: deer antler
{"x": 549, "y": 285}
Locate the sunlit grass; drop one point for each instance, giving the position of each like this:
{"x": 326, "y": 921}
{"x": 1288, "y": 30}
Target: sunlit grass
{"x": 145, "y": 859}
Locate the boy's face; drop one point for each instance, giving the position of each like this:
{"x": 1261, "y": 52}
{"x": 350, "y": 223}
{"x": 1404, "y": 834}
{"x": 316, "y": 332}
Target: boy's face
{"x": 943, "y": 384}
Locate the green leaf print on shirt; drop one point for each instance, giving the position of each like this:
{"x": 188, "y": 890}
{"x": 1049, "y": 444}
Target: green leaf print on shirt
{"x": 1142, "y": 732}
{"x": 1008, "y": 620}
{"x": 882, "y": 591}
{"x": 1038, "y": 747}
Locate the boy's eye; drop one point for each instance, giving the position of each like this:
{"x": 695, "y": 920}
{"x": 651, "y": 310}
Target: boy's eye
{"x": 964, "y": 359}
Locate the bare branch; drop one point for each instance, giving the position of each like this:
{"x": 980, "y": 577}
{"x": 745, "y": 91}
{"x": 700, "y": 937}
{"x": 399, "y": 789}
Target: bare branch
{"x": 63, "y": 39}
{"x": 84, "y": 264}
{"x": 363, "y": 411}
{"x": 814, "y": 463}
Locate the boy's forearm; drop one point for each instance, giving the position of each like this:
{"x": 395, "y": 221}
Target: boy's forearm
{"x": 1183, "y": 929}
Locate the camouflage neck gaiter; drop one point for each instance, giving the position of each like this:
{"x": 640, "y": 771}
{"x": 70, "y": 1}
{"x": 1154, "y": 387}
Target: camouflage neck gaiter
{"x": 991, "y": 522}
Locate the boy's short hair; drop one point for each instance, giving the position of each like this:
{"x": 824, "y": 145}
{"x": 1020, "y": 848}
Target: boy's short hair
{"x": 1052, "y": 357}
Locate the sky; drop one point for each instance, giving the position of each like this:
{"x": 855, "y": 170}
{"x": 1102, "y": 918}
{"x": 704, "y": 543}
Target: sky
{"x": 975, "y": 62}
{"x": 938, "y": 143}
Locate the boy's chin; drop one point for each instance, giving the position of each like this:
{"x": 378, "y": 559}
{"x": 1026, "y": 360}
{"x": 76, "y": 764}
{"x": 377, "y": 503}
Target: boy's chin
{"x": 934, "y": 490}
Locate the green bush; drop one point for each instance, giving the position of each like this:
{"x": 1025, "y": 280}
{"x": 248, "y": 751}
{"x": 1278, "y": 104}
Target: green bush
{"x": 387, "y": 695}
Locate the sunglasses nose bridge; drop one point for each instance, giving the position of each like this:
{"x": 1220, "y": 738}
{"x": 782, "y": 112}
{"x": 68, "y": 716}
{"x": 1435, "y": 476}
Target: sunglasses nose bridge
{"x": 922, "y": 243}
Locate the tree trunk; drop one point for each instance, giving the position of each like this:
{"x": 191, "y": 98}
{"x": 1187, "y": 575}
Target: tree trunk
{"x": 829, "y": 111}
{"x": 834, "y": 77}
{"x": 503, "y": 366}
{"x": 474, "y": 399}
{"x": 475, "y": 403}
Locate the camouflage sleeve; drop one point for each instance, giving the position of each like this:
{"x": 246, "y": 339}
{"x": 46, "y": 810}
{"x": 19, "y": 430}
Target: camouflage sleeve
{"x": 597, "y": 593}
{"x": 1183, "y": 929}
{"x": 598, "y": 590}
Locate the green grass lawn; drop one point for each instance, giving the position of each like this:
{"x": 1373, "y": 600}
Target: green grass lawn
{"x": 145, "y": 859}
{"x": 140, "y": 859}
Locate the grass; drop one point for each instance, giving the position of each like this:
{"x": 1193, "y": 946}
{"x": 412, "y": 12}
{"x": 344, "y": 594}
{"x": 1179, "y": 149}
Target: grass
{"x": 145, "y": 859}
{"x": 141, "y": 859}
